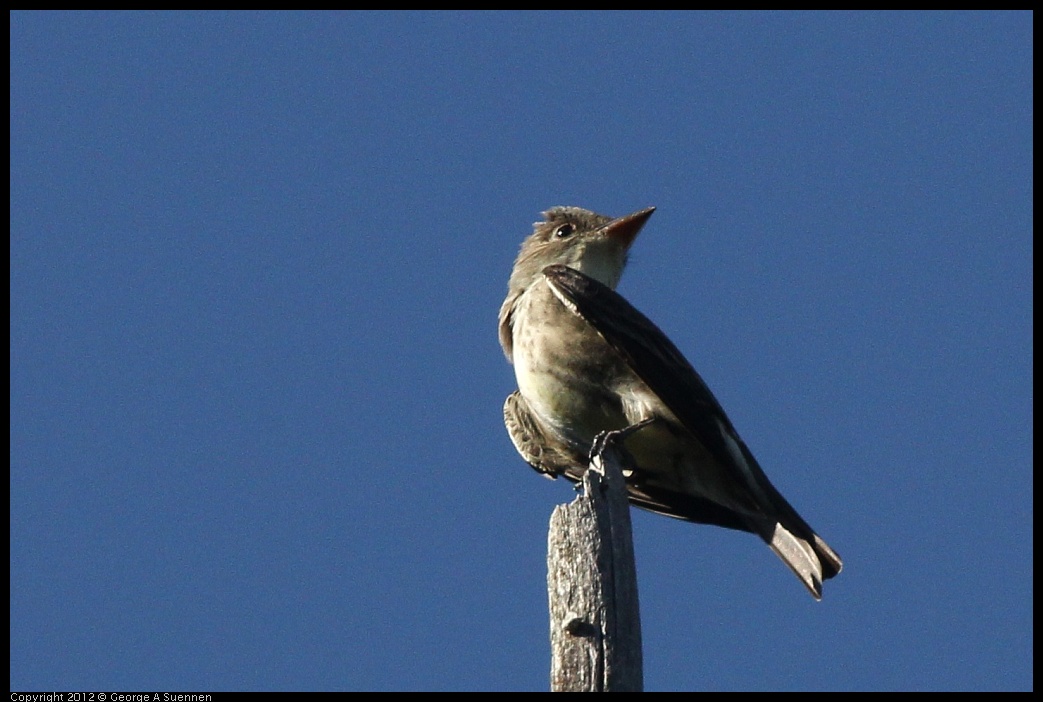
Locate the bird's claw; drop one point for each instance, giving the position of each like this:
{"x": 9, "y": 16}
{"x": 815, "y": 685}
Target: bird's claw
{"x": 616, "y": 437}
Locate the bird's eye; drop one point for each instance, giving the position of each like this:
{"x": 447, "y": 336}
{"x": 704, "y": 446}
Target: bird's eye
{"x": 564, "y": 230}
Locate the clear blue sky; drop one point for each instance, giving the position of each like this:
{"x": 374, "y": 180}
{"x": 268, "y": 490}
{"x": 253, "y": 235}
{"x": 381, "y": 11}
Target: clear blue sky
{"x": 256, "y": 389}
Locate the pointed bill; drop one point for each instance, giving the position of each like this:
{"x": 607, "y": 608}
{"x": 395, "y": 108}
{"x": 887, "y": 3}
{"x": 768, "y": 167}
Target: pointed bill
{"x": 625, "y": 229}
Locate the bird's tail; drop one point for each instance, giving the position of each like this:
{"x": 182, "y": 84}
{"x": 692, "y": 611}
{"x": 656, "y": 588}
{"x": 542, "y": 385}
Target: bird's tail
{"x": 807, "y": 555}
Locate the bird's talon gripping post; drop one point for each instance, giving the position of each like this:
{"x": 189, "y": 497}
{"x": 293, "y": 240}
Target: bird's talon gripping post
{"x": 615, "y": 437}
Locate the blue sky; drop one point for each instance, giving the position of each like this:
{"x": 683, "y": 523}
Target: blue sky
{"x": 256, "y": 389}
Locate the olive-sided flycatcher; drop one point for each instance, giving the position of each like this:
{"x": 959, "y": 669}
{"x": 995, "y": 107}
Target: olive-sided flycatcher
{"x": 587, "y": 361}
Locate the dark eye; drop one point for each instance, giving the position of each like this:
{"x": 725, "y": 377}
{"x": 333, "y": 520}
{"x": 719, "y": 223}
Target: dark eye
{"x": 564, "y": 230}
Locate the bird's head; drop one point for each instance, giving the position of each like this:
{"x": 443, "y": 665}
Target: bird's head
{"x": 593, "y": 244}
{"x": 589, "y": 242}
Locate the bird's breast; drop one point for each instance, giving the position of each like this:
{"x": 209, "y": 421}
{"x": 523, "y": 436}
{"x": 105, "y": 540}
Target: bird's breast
{"x": 565, "y": 370}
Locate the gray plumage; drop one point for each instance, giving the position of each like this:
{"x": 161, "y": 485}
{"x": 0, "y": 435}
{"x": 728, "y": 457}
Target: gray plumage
{"x": 587, "y": 361}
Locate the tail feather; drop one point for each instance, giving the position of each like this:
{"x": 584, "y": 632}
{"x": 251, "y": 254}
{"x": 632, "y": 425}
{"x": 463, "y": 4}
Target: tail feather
{"x": 799, "y": 556}
{"x": 831, "y": 563}
{"x": 811, "y": 561}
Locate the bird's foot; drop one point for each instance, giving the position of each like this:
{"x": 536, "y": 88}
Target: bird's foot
{"x": 615, "y": 438}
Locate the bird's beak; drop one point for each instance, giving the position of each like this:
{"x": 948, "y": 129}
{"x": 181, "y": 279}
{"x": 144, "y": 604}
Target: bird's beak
{"x": 624, "y": 229}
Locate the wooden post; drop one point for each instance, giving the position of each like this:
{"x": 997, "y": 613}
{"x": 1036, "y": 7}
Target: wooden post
{"x": 595, "y": 621}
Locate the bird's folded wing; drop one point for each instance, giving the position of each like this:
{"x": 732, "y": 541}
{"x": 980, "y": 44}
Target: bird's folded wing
{"x": 668, "y": 374}
{"x": 649, "y": 353}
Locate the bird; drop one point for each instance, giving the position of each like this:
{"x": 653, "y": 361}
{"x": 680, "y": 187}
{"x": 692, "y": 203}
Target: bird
{"x": 588, "y": 362}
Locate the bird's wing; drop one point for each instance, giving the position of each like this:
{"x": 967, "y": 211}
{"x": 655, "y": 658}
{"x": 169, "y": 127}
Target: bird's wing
{"x": 546, "y": 453}
{"x": 668, "y": 374}
{"x": 650, "y": 354}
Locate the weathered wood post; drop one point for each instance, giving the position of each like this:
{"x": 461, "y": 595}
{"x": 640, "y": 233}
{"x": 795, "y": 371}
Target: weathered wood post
{"x": 595, "y": 620}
